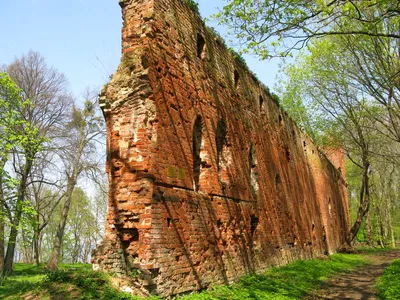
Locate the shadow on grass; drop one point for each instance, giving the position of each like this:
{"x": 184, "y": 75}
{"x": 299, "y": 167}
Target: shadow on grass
{"x": 71, "y": 281}
{"x": 292, "y": 281}
{"x": 24, "y": 278}
{"x": 14, "y": 288}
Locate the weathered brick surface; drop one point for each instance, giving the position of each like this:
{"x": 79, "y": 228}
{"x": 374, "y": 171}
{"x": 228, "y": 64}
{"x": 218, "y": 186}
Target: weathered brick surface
{"x": 209, "y": 178}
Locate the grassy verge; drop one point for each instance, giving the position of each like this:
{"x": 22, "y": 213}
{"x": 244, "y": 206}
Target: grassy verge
{"x": 71, "y": 281}
{"x": 389, "y": 283}
{"x": 25, "y": 278}
{"x": 77, "y": 281}
{"x": 288, "y": 282}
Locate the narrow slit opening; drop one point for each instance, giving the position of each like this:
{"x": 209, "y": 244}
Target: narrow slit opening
{"x": 253, "y": 224}
{"x": 220, "y": 140}
{"x": 236, "y": 78}
{"x": 197, "y": 136}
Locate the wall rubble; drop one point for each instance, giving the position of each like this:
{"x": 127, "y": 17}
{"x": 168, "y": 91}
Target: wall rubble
{"x": 209, "y": 178}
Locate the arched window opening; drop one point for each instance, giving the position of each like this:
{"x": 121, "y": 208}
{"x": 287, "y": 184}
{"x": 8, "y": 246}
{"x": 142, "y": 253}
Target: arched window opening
{"x": 288, "y": 153}
{"x": 220, "y": 140}
{"x": 277, "y": 179}
{"x": 261, "y": 103}
{"x": 197, "y": 136}
{"x": 253, "y": 224}
{"x": 330, "y": 208}
{"x": 145, "y": 62}
{"x": 201, "y": 46}
{"x": 253, "y": 168}
{"x": 236, "y": 79}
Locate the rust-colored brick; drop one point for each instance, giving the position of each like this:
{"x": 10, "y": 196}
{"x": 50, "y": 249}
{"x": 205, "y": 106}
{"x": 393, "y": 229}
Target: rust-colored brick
{"x": 209, "y": 178}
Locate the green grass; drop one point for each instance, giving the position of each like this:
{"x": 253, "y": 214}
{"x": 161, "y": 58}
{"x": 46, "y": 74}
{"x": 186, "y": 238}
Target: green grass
{"x": 71, "y": 281}
{"x": 389, "y": 283}
{"x": 292, "y": 281}
{"x": 77, "y": 281}
{"x": 372, "y": 250}
{"x": 24, "y": 278}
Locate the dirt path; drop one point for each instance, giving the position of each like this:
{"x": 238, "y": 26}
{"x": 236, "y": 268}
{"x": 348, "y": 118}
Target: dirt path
{"x": 360, "y": 283}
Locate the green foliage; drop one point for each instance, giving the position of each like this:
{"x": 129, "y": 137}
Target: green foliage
{"x": 194, "y": 6}
{"x": 70, "y": 278}
{"x": 80, "y": 228}
{"x": 338, "y": 92}
{"x": 17, "y": 135}
{"x": 238, "y": 58}
{"x": 13, "y": 288}
{"x": 10, "y": 103}
{"x": 289, "y": 282}
{"x": 389, "y": 283}
{"x": 214, "y": 32}
{"x": 276, "y": 28}
{"x": 292, "y": 97}
{"x": 292, "y": 281}
{"x": 134, "y": 273}
{"x": 25, "y": 278}
{"x": 57, "y": 276}
{"x": 15, "y": 131}
{"x": 275, "y": 98}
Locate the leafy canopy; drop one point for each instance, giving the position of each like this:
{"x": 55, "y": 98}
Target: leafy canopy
{"x": 10, "y": 100}
{"x": 273, "y": 28}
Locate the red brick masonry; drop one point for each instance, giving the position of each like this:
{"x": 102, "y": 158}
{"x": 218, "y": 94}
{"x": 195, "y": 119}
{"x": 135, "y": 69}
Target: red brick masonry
{"x": 209, "y": 178}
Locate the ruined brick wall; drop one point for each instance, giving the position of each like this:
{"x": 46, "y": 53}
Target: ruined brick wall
{"x": 209, "y": 178}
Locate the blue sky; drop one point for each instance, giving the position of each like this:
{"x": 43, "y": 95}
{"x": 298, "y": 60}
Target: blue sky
{"x": 82, "y": 38}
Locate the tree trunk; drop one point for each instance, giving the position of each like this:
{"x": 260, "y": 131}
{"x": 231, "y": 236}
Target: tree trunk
{"x": 8, "y": 261}
{"x": 1, "y": 226}
{"x": 388, "y": 198}
{"x": 363, "y": 206}
{"x": 55, "y": 254}
{"x": 1, "y": 244}
{"x": 75, "y": 252}
{"x": 390, "y": 225}
{"x": 368, "y": 228}
{"x": 393, "y": 241}
{"x": 26, "y": 249}
{"x": 36, "y": 250}
{"x": 2, "y": 216}
{"x": 37, "y": 239}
